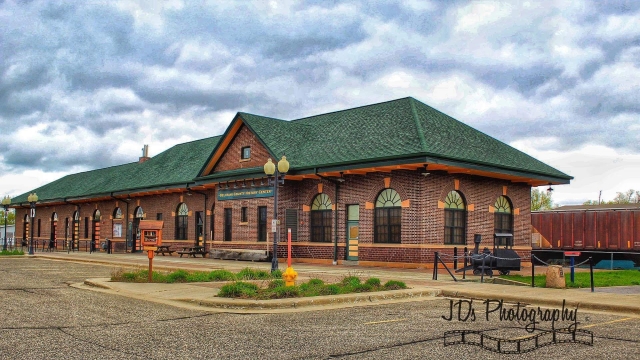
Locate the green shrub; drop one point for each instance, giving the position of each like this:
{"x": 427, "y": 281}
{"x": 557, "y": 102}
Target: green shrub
{"x": 276, "y": 274}
{"x": 362, "y": 288}
{"x": 221, "y": 275}
{"x": 373, "y": 282}
{"x": 315, "y": 282}
{"x": 286, "y": 292}
{"x": 238, "y": 289}
{"x": 275, "y": 283}
{"x": 197, "y": 276}
{"x": 178, "y": 276}
{"x": 332, "y": 289}
{"x": 350, "y": 281}
{"x": 394, "y": 285}
{"x": 253, "y": 274}
{"x": 128, "y": 276}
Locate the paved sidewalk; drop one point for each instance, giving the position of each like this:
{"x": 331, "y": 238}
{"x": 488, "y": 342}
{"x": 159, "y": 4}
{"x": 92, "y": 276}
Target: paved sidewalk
{"x": 623, "y": 301}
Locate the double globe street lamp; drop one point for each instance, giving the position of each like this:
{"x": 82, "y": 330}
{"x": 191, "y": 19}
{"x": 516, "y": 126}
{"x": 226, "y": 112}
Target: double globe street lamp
{"x": 32, "y": 198}
{"x": 5, "y": 204}
{"x": 275, "y": 177}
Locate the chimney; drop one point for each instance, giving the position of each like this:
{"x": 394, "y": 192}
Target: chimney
{"x": 145, "y": 154}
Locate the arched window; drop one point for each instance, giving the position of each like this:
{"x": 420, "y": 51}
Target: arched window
{"x": 96, "y": 215}
{"x": 503, "y": 220}
{"x": 117, "y": 213}
{"x": 181, "y": 222}
{"x": 321, "y": 218}
{"x": 54, "y": 217}
{"x": 388, "y": 218}
{"x": 139, "y": 213}
{"x": 454, "y": 219}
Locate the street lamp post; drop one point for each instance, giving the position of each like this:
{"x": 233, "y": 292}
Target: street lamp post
{"x": 33, "y": 198}
{"x": 5, "y": 203}
{"x": 276, "y": 177}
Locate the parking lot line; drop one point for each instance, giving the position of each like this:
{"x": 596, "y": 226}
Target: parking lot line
{"x": 384, "y": 321}
{"x": 606, "y": 322}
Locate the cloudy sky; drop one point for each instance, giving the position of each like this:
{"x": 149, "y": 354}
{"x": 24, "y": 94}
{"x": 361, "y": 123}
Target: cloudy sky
{"x": 84, "y": 85}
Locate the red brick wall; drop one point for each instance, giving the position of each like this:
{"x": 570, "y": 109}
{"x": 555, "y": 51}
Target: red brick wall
{"x": 422, "y": 220}
{"x": 230, "y": 159}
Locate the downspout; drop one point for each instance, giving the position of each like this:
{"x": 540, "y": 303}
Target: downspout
{"x": 126, "y": 223}
{"x": 335, "y": 218}
{"x": 204, "y": 217}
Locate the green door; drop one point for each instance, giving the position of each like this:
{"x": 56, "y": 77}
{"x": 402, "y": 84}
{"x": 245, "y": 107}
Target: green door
{"x": 353, "y": 231}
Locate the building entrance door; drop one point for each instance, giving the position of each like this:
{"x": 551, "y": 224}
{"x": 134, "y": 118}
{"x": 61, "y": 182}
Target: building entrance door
{"x": 199, "y": 228}
{"x": 353, "y": 231}
{"x": 262, "y": 223}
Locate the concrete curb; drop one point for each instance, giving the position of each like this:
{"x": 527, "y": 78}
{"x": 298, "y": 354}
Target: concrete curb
{"x": 99, "y": 283}
{"x": 380, "y": 297}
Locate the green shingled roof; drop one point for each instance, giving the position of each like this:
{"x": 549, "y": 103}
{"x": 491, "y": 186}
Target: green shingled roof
{"x": 393, "y": 130}
{"x": 175, "y": 166}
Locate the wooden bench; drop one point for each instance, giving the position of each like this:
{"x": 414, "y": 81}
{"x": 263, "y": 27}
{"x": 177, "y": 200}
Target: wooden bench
{"x": 192, "y": 251}
{"x": 164, "y": 249}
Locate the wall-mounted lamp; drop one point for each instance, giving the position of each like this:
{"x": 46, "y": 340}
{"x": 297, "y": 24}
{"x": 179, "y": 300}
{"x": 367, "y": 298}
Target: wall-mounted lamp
{"x": 424, "y": 171}
{"x": 340, "y": 179}
{"x": 549, "y": 189}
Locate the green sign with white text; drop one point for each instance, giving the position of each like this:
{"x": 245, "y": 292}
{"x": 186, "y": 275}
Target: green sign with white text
{"x": 254, "y": 192}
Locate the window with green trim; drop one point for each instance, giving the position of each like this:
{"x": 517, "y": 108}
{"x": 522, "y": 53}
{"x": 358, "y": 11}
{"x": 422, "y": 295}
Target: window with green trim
{"x": 182, "y": 221}
{"x": 321, "y": 218}
{"x": 455, "y": 219}
{"x": 388, "y": 217}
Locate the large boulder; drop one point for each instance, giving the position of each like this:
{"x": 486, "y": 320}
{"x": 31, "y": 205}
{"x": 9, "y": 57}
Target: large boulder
{"x": 555, "y": 277}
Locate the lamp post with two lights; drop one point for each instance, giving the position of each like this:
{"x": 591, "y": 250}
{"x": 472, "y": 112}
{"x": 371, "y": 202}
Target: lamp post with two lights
{"x": 275, "y": 177}
{"x": 32, "y": 198}
{"x": 5, "y": 203}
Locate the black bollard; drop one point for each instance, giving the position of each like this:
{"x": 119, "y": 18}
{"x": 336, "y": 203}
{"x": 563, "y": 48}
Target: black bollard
{"x": 591, "y": 271}
{"x": 455, "y": 258}
{"x": 533, "y": 271}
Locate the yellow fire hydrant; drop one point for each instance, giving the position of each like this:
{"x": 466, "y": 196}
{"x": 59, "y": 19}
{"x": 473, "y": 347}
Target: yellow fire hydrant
{"x": 289, "y": 276}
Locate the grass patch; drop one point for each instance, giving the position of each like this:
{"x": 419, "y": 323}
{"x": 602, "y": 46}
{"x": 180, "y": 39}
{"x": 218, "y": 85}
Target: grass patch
{"x": 238, "y": 289}
{"x": 276, "y": 289}
{"x": 11, "y": 252}
{"x": 583, "y": 279}
{"x": 183, "y": 276}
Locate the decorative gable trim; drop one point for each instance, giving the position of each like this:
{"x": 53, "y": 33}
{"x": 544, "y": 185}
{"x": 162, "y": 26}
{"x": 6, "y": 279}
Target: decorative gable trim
{"x": 224, "y": 142}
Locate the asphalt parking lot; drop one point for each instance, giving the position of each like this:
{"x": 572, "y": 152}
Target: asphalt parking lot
{"x": 44, "y": 318}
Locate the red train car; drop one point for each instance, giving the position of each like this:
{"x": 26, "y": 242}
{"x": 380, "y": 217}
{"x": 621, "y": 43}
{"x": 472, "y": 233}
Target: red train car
{"x": 588, "y": 227}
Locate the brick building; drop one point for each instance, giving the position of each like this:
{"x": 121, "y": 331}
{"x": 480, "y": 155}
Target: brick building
{"x": 384, "y": 184}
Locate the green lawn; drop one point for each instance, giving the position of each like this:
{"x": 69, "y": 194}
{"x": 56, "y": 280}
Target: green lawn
{"x": 583, "y": 280}
{"x": 11, "y": 252}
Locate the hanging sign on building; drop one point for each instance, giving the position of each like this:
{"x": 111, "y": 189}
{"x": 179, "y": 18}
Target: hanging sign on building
{"x": 250, "y": 192}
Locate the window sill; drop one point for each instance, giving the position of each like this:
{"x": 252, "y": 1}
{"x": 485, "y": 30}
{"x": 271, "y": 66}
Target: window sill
{"x": 244, "y": 223}
{"x": 245, "y": 160}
